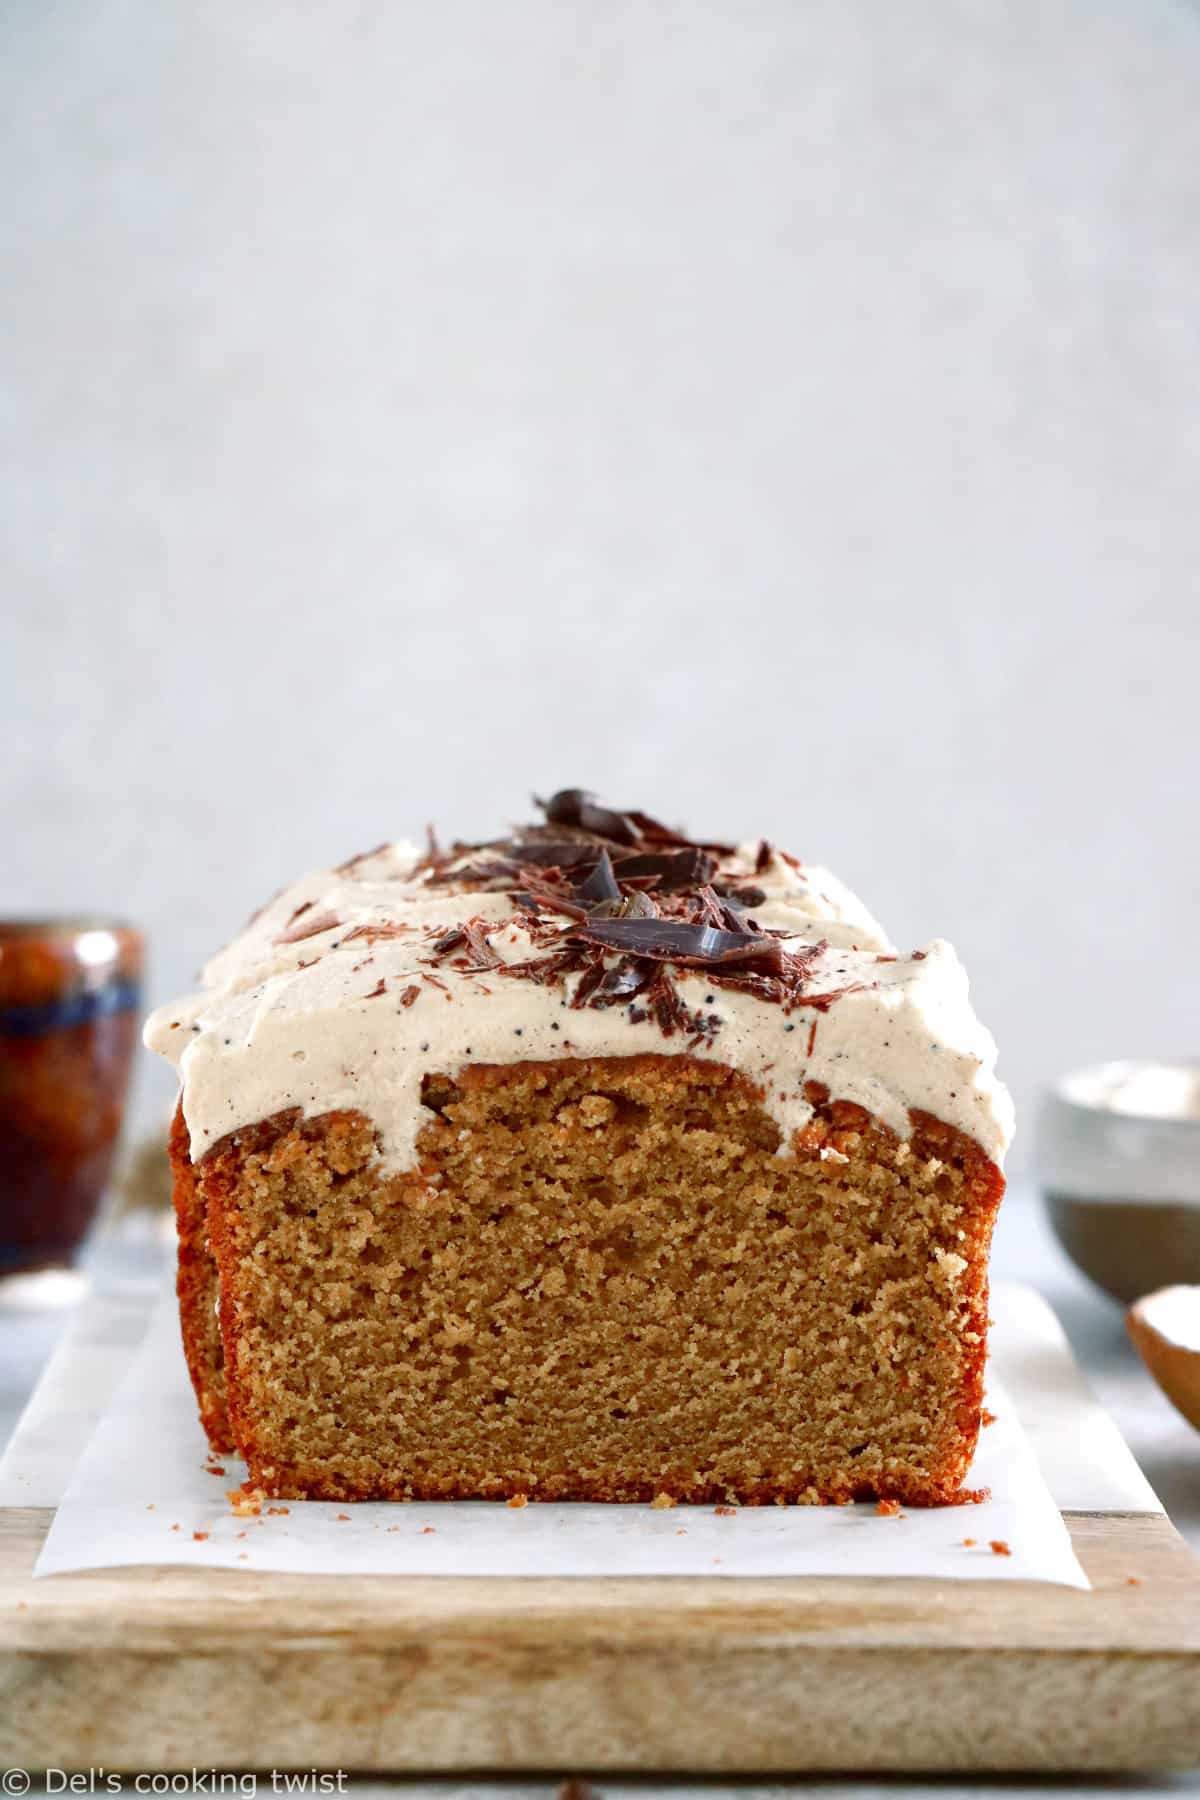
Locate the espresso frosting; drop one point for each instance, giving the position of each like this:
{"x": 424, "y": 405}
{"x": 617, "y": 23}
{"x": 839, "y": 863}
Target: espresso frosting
{"x": 356, "y": 983}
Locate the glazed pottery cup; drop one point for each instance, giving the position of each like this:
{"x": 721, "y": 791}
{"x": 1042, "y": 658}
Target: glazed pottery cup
{"x": 1118, "y": 1162}
{"x": 69, "y": 995}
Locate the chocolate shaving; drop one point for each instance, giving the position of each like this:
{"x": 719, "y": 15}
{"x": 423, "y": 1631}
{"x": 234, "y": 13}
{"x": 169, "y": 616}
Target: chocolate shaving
{"x": 610, "y": 900}
{"x": 675, "y": 869}
{"x": 589, "y": 981}
{"x": 601, "y": 885}
{"x": 550, "y": 853}
{"x": 295, "y": 934}
{"x": 662, "y": 1002}
{"x": 351, "y": 863}
{"x": 533, "y": 896}
{"x": 376, "y": 930}
{"x": 472, "y": 938}
{"x": 627, "y": 978}
{"x": 741, "y": 896}
{"x": 575, "y": 806}
{"x": 677, "y": 941}
{"x": 409, "y": 994}
{"x": 449, "y": 940}
{"x": 654, "y": 833}
{"x": 633, "y": 905}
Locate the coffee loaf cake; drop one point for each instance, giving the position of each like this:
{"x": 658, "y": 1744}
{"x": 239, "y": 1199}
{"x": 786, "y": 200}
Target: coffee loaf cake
{"x": 590, "y": 1163}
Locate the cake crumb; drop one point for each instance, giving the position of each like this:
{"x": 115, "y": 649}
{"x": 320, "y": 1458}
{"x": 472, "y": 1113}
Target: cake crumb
{"x": 150, "y": 1506}
{"x": 970, "y": 1543}
{"x": 174, "y": 1528}
{"x": 200, "y": 1536}
{"x": 998, "y": 1547}
{"x": 243, "y": 1556}
{"x": 517, "y": 1500}
{"x": 681, "y": 1531}
{"x": 725, "y": 1512}
{"x": 662, "y": 1502}
{"x": 1133, "y": 1581}
{"x": 987, "y": 1416}
{"x": 428, "y": 1530}
{"x": 246, "y": 1502}
{"x": 342, "y": 1518}
{"x": 214, "y": 1468}
{"x": 888, "y": 1509}
{"x": 276, "y": 1511}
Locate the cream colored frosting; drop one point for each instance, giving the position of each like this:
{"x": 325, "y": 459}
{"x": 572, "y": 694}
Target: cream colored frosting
{"x": 336, "y": 1019}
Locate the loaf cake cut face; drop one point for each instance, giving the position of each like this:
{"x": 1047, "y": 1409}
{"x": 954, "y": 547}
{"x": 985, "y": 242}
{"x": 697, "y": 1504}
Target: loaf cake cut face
{"x": 591, "y": 1164}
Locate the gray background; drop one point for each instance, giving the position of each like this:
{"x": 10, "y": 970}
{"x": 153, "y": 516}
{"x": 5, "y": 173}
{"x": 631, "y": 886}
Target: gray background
{"x": 784, "y": 417}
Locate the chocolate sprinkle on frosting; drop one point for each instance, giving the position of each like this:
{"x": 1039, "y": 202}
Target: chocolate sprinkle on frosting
{"x": 624, "y": 885}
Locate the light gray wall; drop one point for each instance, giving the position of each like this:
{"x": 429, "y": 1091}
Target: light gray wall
{"x": 784, "y": 417}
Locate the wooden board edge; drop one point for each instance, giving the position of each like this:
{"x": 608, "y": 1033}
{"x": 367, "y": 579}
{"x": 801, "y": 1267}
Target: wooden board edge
{"x": 712, "y": 1684}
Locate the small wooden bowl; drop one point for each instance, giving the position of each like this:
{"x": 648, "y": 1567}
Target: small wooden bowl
{"x": 1165, "y": 1328}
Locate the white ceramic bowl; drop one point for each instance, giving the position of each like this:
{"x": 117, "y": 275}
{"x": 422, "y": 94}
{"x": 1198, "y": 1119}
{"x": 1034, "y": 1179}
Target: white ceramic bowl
{"x": 1118, "y": 1162}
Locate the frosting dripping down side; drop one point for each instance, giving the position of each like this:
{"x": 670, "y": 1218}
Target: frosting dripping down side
{"x": 356, "y": 983}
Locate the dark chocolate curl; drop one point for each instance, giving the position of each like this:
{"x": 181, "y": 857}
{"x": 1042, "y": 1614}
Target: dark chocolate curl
{"x": 675, "y": 869}
{"x": 551, "y": 853}
{"x": 675, "y": 940}
{"x": 600, "y": 885}
{"x": 575, "y": 806}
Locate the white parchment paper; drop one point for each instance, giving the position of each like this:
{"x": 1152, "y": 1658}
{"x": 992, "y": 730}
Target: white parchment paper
{"x": 142, "y": 1493}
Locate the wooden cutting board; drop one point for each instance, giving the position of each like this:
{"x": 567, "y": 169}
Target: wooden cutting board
{"x": 178, "y": 1669}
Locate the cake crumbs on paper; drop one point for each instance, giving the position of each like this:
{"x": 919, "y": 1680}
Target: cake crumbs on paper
{"x": 662, "y": 1502}
{"x": 888, "y": 1509}
{"x": 725, "y": 1512}
{"x": 999, "y": 1547}
{"x": 516, "y": 1501}
{"x": 201, "y": 1537}
{"x": 246, "y": 1502}
{"x": 970, "y": 1543}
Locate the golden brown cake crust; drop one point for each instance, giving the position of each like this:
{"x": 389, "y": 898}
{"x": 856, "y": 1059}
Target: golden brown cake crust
{"x": 197, "y": 1287}
{"x": 602, "y": 1283}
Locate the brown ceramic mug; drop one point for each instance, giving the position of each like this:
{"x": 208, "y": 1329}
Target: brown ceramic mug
{"x": 69, "y": 995}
